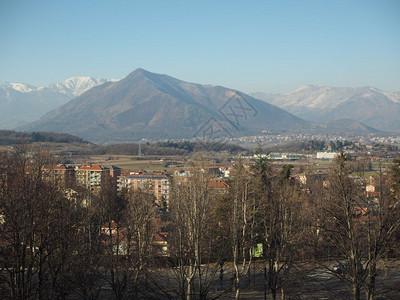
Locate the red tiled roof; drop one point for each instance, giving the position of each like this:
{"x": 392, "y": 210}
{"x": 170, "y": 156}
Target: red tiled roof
{"x": 148, "y": 176}
{"x": 56, "y": 167}
{"x": 139, "y": 171}
{"x": 92, "y": 167}
{"x": 218, "y": 184}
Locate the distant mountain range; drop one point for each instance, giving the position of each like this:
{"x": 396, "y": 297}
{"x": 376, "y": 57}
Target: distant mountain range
{"x": 155, "y": 106}
{"x": 23, "y": 103}
{"x": 371, "y": 106}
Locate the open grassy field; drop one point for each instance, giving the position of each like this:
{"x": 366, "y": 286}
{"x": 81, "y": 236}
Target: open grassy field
{"x": 155, "y": 164}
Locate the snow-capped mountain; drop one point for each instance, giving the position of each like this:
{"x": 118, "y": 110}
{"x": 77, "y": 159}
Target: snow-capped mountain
{"x": 76, "y": 86}
{"x": 20, "y": 87}
{"x": 369, "y": 105}
{"x": 321, "y": 97}
{"x": 22, "y": 103}
{"x": 73, "y": 86}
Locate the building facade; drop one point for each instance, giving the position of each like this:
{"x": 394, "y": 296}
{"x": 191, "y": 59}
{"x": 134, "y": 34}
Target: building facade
{"x": 92, "y": 177}
{"x": 157, "y": 184}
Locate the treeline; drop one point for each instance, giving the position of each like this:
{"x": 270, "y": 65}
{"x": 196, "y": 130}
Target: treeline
{"x": 206, "y": 146}
{"x": 10, "y": 137}
{"x": 201, "y": 243}
{"x": 164, "y": 148}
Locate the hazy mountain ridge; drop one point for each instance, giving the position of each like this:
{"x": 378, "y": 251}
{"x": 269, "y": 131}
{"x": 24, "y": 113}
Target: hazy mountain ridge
{"x": 341, "y": 126}
{"x": 155, "y": 106}
{"x": 369, "y": 105}
{"x": 11, "y": 137}
{"x": 22, "y": 103}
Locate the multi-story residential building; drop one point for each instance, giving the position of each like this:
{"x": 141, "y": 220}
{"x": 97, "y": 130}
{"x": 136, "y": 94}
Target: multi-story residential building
{"x": 157, "y": 184}
{"x": 61, "y": 174}
{"x": 92, "y": 177}
{"x": 115, "y": 172}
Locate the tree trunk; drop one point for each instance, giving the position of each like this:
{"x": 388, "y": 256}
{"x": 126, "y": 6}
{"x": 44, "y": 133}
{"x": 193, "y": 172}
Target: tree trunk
{"x": 356, "y": 292}
{"x": 189, "y": 281}
{"x": 273, "y": 294}
{"x": 371, "y": 283}
{"x": 188, "y": 289}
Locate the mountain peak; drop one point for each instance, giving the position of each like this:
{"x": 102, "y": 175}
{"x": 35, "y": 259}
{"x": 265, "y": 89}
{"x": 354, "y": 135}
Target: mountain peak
{"x": 18, "y": 86}
{"x": 140, "y": 71}
{"x": 308, "y": 87}
{"x": 372, "y": 88}
{"x": 162, "y": 82}
{"x": 157, "y": 106}
{"x": 78, "y": 79}
{"x": 75, "y": 86}
{"x": 369, "y": 105}
{"x": 21, "y": 103}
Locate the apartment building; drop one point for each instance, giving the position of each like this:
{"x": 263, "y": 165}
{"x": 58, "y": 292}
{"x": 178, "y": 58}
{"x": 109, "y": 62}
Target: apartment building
{"x": 157, "y": 184}
{"x": 92, "y": 177}
{"x": 61, "y": 174}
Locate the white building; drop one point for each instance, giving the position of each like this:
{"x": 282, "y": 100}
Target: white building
{"x": 327, "y": 155}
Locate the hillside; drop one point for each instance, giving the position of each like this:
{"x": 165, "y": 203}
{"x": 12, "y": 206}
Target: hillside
{"x": 10, "y": 137}
{"x": 371, "y": 106}
{"x": 154, "y": 106}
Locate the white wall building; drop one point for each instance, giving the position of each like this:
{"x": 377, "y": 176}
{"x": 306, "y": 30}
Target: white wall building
{"x": 327, "y": 155}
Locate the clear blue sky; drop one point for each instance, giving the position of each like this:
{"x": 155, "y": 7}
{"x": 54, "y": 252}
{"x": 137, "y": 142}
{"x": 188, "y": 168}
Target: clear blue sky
{"x": 269, "y": 46}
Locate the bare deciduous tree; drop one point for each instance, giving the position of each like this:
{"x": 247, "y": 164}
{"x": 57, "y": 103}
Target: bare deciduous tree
{"x": 191, "y": 243}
